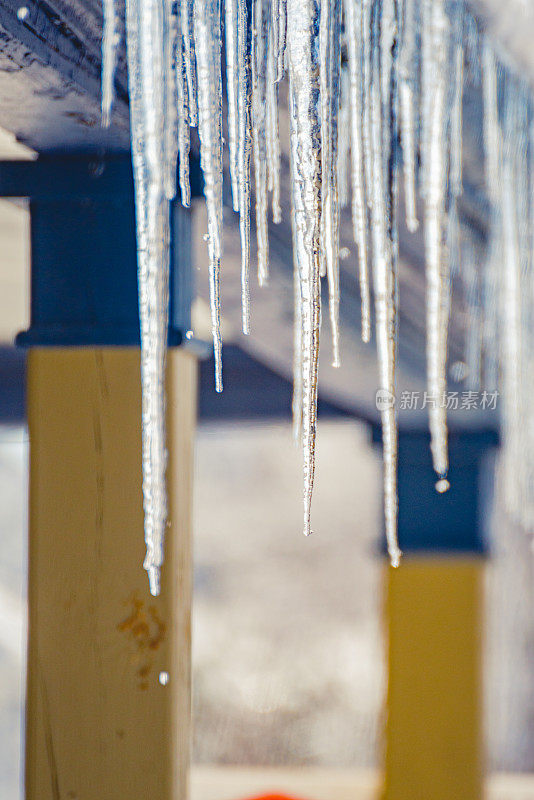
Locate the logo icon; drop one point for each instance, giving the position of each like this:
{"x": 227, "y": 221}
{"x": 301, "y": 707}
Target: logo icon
{"x": 384, "y": 399}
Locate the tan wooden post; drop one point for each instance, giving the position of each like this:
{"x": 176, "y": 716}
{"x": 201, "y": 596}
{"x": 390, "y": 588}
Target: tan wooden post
{"x": 108, "y": 686}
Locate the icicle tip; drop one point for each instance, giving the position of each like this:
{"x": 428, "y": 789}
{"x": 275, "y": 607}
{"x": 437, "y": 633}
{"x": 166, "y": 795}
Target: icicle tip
{"x": 442, "y": 485}
{"x": 395, "y": 556}
{"x": 154, "y": 579}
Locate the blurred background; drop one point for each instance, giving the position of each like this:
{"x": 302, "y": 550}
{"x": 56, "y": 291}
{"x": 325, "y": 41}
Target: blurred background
{"x": 288, "y": 648}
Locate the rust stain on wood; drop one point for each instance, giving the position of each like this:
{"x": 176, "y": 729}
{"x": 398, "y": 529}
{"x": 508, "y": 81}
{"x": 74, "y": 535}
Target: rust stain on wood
{"x": 147, "y": 631}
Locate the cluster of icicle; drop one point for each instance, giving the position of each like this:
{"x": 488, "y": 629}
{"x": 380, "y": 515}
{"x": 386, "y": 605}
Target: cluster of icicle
{"x": 375, "y": 102}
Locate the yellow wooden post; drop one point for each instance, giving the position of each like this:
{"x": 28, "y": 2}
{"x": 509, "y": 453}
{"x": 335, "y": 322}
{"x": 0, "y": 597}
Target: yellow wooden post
{"x": 434, "y": 625}
{"x": 434, "y": 748}
{"x": 108, "y": 686}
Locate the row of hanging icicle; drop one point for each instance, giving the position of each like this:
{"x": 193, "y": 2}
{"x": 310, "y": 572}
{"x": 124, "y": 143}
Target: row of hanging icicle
{"x": 379, "y": 79}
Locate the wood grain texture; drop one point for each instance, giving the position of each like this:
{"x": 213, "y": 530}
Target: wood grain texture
{"x": 101, "y": 721}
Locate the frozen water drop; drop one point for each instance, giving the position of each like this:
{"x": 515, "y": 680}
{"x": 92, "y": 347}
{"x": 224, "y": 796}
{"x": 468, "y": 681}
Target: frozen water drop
{"x": 442, "y": 485}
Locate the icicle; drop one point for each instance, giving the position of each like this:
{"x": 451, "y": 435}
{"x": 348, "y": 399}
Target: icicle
{"x": 511, "y": 344}
{"x": 492, "y": 165}
{"x": 279, "y": 9}
{"x": 208, "y": 62}
{"x": 353, "y": 23}
{"x": 110, "y": 42}
{"x": 492, "y": 149}
{"x": 146, "y": 59}
{"x": 470, "y": 280}
{"x": 384, "y": 296}
{"x": 187, "y": 15}
{"x": 434, "y": 229}
{"x": 490, "y": 325}
{"x": 366, "y": 91}
{"x": 296, "y": 402}
{"x": 472, "y": 48}
{"x": 457, "y": 99}
{"x": 330, "y": 61}
{"x": 170, "y": 130}
{"x": 260, "y": 27}
{"x": 232, "y": 90}
{"x": 426, "y": 101}
{"x": 343, "y": 139}
{"x": 521, "y": 421}
{"x": 243, "y": 156}
{"x": 273, "y": 137}
{"x": 303, "y": 60}
{"x": 407, "y": 67}
{"x": 183, "y": 121}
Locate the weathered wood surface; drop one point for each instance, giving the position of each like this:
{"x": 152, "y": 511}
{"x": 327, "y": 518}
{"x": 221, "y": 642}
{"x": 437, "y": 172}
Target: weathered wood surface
{"x": 50, "y": 61}
{"x": 108, "y": 682}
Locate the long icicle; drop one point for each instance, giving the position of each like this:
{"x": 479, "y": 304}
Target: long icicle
{"x": 232, "y": 91}
{"x": 384, "y": 295}
{"x": 260, "y": 27}
{"x": 110, "y": 42}
{"x": 353, "y": 24}
{"x": 407, "y": 112}
{"x": 366, "y": 92}
{"x": 456, "y": 111}
{"x": 187, "y": 15}
{"x": 208, "y": 62}
{"x": 171, "y": 110}
{"x": 343, "y": 140}
{"x": 281, "y": 6}
{"x": 146, "y": 57}
{"x": 243, "y": 154}
{"x": 330, "y": 35}
{"x": 303, "y": 61}
{"x": 435, "y": 161}
{"x": 511, "y": 342}
{"x": 184, "y": 140}
{"x": 273, "y": 135}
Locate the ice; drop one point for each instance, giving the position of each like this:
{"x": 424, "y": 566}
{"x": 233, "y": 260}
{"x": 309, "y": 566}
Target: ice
{"x": 232, "y": 91}
{"x": 384, "y": 292}
{"x": 343, "y": 139}
{"x": 303, "y": 62}
{"x": 365, "y": 76}
{"x": 273, "y": 134}
{"x": 182, "y": 99}
{"x": 330, "y": 60}
{"x": 146, "y": 59}
{"x": 436, "y": 264}
{"x": 243, "y": 155}
{"x": 260, "y": 39}
{"x": 187, "y": 22}
{"x": 208, "y": 65}
{"x": 407, "y": 92}
{"x": 110, "y": 42}
{"x": 353, "y": 23}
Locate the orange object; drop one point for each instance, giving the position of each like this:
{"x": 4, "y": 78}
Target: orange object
{"x": 274, "y": 797}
